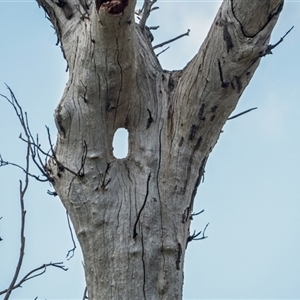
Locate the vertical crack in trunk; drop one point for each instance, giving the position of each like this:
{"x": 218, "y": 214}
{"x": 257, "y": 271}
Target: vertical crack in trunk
{"x": 141, "y": 209}
{"x": 144, "y": 266}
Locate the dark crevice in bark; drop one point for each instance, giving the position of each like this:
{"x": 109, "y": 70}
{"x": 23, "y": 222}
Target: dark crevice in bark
{"x": 224, "y": 84}
{"x": 270, "y": 17}
{"x": 144, "y": 266}
{"x": 201, "y": 112}
{"x": 141, "y": 209}
{"x": 193, "y": 131}
{"x": 227, "y": 38}
{"x": 66, "y": 8}
{"x": 150, "y": 119}
{"x": 179, "y": 253}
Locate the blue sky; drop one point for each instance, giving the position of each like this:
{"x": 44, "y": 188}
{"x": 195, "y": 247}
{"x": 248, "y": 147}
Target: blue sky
{"x": 251, "y": 192}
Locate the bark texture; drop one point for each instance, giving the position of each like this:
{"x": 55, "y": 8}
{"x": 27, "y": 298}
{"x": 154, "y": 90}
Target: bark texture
{"x": 132, "y": 215}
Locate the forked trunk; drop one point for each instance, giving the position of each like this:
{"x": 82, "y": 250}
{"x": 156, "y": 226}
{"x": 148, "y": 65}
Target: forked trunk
{"x": 132, "y": 215}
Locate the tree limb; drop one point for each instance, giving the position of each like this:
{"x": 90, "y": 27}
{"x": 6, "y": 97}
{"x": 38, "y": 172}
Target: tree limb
{"x": 145, "y": 12}
{"x": 242, "y": 113}
{"x": 171, "y": 40}
{"x": 271, "y": 47}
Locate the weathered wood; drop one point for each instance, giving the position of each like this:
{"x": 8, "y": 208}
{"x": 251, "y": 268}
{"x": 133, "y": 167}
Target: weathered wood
{"x": 132, "y": 215}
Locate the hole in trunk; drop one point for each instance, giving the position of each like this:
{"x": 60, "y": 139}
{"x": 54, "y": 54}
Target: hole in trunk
{"x": 120, "y": 143}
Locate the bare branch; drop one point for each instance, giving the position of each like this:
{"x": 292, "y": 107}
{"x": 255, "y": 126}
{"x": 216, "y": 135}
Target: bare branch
{"x": 271, "y": 47}
{"x": 196, "y": 214}
{"x": 34, "y": 273}
{"x": 145, "y": 12}
{"x": 153, "y": 27}
{"x": 159, "y": 53}
{"x": 6, "y": 163}
{"x": 33, "y": 149}
{"x": 172, "y": 40}
{"x": 34, "y": 146}
{"x": 194, "y": 236}
{"x": 242, "y": 113}
{"x": 22, "y": 191}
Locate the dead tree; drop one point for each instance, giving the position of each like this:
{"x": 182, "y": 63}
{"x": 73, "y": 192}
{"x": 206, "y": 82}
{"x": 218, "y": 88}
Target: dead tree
{"x": 132, "y": 215}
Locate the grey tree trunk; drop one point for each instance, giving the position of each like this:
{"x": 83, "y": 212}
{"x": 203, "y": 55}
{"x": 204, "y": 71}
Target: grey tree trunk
{"x": 132, "y": 215}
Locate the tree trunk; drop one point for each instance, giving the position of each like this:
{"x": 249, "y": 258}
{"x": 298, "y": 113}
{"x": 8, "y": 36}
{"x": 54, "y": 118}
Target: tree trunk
{"x": 132, "y": 215}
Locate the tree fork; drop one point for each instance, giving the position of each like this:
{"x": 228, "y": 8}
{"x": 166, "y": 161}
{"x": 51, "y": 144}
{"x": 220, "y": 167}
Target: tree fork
{"x": 132, "y": 215}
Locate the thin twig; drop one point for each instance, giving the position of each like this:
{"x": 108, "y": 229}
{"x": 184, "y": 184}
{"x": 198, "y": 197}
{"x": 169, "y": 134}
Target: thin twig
{"x": 198, "y": 213}
{"x": 35, "y": 147}
{"x": 31, "y": 275}
{"x": 145, "y": 12}
{"x": 6, "y": 163}
{"x": 85, "y": 294}
{"x": 271, "y": 47}
{"x": 172, "y": 40}
{"x": 194, "y": 236}
{"x": 242, "y": 113}
{"x": 22, "y": 191}
{"x": 159, "y": 53}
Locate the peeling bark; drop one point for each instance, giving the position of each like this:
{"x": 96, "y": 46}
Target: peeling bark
{"x": 132, "y": 215}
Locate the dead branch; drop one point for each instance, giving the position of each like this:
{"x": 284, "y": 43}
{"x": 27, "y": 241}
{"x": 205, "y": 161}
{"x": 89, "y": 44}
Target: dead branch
{"x": 35, "y": 148}
{"x": 172, "y": 40}
{"x": 194, "y": 236}
{"x": 22, "y": 191}
{"x": 242, "y": 113}
{"x": 159, "y": 53}
{"x": 32, "y": 274}
{"x": 196, "y": 214}
{"x": 271, "y": 47}
{"x": 145, "y": 11}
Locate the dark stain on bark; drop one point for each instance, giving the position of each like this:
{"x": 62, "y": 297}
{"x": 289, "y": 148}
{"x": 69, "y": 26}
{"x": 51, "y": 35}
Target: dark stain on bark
{"x": 200, "y": 113}
{"x": 198, "y": 143}
{"x": 181, "y": 141}
{"x": 193, "y": 131}
{"x": 238, "y": 83}
{"x": 224, "y": 84}
{"x": 227, "y": 38}
{"x": 171, "y": 84}
{"x": 214, "y": 108}
{"x": 59, "y": 121}
{"x": 212, "y": 118}
{"x": 66, "y": 8}
{"x": 170, "y": 112}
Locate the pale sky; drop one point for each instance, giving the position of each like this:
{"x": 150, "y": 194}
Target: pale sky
{"x": 251, "y": 192}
